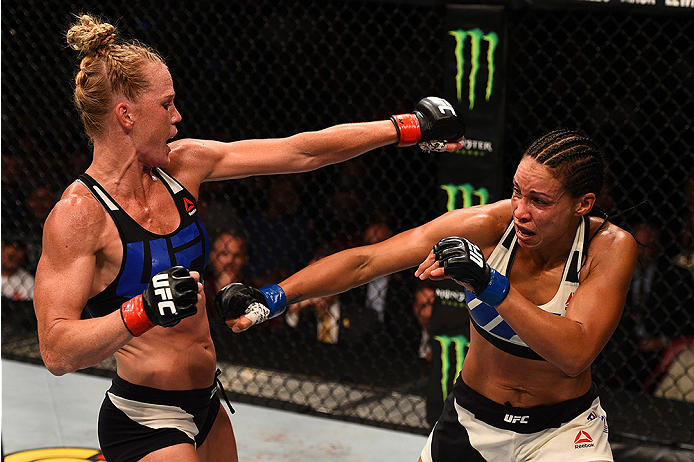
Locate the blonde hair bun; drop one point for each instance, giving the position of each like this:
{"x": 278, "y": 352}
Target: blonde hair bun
{"x": 89, "y": 35}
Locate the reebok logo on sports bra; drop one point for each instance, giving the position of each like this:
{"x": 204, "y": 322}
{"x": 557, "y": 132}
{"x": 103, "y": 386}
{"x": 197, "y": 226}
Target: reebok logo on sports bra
{"x": 144, "y": 253}
{"x": 489, "y": 323}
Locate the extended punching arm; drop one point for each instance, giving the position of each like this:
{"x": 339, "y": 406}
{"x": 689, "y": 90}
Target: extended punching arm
{"x": 464, "y": 262}
{"x": 433, "y": 119}
{"x": 170, "y": 296}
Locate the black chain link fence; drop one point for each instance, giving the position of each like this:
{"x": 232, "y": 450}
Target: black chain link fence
{"x": 260, "y": 69}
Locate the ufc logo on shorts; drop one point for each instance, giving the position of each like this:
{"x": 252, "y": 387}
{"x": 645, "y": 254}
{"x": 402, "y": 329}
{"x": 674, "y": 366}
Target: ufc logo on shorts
{"x": 513, "y": 419}
{"x": 443, "y": 106}
{"x": 160, "y": 282}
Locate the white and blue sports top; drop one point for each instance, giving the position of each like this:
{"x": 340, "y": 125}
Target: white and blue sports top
{"x": 489, "y": 323}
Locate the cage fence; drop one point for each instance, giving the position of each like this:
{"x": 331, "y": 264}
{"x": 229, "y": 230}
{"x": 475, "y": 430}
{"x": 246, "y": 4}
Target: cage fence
{"x": 260, "y": 69}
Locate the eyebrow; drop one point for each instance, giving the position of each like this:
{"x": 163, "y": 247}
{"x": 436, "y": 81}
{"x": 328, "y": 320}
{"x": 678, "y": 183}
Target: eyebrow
{"x": 532, "y": 191}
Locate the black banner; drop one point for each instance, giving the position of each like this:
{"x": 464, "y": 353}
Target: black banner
{"x": 636, "y": 6}
{"x": 655, "y": 7}
{"x": 474, "y": 82}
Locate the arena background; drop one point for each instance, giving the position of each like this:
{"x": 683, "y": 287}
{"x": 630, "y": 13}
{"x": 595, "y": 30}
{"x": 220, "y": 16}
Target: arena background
{"x": 623, "y": 72}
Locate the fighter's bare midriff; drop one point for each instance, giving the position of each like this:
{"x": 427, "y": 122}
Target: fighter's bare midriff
{"x": 171, "y": 358}
{"x": 521, "y": 382}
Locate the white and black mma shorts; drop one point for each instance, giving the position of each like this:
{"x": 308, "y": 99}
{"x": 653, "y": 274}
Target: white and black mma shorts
{"x": 473, "y": 428}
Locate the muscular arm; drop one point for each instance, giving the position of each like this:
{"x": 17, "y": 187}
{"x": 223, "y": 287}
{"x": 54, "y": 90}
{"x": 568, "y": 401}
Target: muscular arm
{"x": 214, "y": 160}
{"x": 196, "y": 161}
{"x": 353, "y": 267}
{"x": 63, "y": 282}
{"x": 573, "y": 342}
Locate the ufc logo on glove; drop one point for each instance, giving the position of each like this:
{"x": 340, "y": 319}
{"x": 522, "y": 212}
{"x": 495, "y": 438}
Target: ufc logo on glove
{"x": 442, "y": 105}
{"x": 476, "y": 256}
{"x": 160, "y": 282}
{"x": 173, "y": 291}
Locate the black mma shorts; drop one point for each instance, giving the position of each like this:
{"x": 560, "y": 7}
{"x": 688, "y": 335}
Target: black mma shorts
{"x": 136, "y": 420}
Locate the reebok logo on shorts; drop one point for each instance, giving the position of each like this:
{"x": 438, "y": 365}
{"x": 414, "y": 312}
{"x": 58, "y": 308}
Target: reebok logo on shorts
{"x": 583, "y": 440}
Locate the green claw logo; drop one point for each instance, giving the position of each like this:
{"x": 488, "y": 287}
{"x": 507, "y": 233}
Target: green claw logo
{"x": 460, "y": 343}
{"x": 468, "y": 192}
{"x": 476, "y": 39}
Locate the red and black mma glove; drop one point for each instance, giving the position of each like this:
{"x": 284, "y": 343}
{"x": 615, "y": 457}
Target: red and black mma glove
{"x": 170, "y": 296}
{"x": 433, "y": 119}
{"x": 464, "y": 262}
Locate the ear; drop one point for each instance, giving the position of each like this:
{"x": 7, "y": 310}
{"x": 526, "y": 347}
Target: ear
{"x": 124, "y": 114}
{"x": 584, "y": 204}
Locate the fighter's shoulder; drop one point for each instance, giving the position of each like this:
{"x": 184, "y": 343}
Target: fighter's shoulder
{"x": 187, "y": 145}
{"x": 482, "y": 224}
{"x": 607, "y": 240}
{"x": 499, "y": 211}
{"x": 77, "y": 211}
{"x": 192, "y": 149}
{"x": 191, "y": 159}
{"x": 495, "y": 217}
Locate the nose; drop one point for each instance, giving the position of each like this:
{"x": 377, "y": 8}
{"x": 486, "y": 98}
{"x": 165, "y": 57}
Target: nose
{"x": 176, "y": 117}
{"x": 520, "y": 209}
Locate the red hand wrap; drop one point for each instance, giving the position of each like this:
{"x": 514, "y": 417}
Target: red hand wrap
{"x": 408, "y": 128}
{"x": 134, "y": 317}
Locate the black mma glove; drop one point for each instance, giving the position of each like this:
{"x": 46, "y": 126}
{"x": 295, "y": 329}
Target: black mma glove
{"x": 433, "y": 119}
{"x": 170, "y": 296}
{"x": 464, "y": 262}
{"x": 258, "y": 305}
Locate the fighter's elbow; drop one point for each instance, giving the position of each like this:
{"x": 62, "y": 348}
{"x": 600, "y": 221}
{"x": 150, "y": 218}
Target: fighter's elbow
{"x": 574, "y": 371}
{"x": 56, "y": 363}
{"x": 576, "y": 365}
{"x": 56, "y": 368}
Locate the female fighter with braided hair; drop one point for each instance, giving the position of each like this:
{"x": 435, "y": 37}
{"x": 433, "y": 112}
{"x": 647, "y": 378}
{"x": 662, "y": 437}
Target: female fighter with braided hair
{"x": 546, "y": 283}
{"x": 126, "y": 242}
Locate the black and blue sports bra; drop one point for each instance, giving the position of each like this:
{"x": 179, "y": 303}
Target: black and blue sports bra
{"x": 145, "y": 253}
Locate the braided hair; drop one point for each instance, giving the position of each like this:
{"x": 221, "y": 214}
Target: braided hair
{"x": 575, "y": 160}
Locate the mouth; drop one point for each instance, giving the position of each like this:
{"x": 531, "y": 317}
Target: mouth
{"x": 523, "y": 233}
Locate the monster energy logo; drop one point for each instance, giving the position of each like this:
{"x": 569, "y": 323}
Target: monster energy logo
{"x": 459, "y": 342}
{"x": 476, "y": 38}
{"x": 468, "y": 193}
{"x": 450, "y": 297}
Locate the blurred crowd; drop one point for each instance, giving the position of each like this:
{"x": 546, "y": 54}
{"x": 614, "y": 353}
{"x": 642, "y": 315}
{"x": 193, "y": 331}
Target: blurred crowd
{"x": 263, "y": 241}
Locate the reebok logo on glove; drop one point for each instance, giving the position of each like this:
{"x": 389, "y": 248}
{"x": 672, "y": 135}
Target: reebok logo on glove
{"x": 160, "y": 282}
